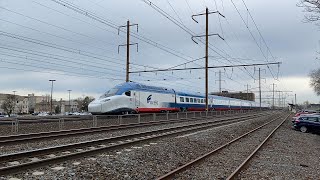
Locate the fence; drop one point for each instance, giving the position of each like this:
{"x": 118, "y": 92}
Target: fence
{"x": 20, "y": 126}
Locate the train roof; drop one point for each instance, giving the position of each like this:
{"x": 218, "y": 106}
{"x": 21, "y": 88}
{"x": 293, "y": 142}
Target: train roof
{"x": 133, "y": 85}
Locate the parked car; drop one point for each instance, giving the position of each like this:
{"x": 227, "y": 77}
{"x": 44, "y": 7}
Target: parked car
{"x": 307, "y": 123}
{"x": 301, "y": 115}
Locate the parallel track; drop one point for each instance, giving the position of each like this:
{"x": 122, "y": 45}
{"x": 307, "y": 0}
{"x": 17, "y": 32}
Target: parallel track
{"x": 233, "y": 175}
{"x": 26, "y": 138}
{"x": 101, "y": 145}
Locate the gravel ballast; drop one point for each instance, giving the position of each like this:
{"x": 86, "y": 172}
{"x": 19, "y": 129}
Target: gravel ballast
{"x": 94, "y": 136}
{"x": 289, "y": 154}
{"x": 146, "y": 160}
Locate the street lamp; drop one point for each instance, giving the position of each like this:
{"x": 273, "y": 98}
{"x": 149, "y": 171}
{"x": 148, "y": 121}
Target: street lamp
{"x": 69, "y": 100}
{"x": 14, "y": 98}
{"x": 52, "y": 80}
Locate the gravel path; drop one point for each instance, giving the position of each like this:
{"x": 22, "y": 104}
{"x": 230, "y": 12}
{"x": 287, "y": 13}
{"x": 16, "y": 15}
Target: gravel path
{"x": 289, "y": 154}
{"x": 145, "y": 161}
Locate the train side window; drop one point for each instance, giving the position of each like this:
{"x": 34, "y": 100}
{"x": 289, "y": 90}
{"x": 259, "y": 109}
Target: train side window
{"x": 181, "y": 99}
{"x": 187, "y": 99}
{"x": 201, "y": 100}
{"x": 198, "y": 100}
{"x": 191, "y": 100}
{"x": 128, "y": 93}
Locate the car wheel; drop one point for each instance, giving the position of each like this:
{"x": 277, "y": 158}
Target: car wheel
{"x": 303, "y": 129}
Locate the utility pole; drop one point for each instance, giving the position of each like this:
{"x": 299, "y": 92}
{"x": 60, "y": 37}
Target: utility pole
{"x": 260, "y": 86}
{"x": 128, "y": 47}
{"x": 247, "y": 86}
{"x": 207, "y": 45}
{"x": 273, "y": 95}
{"x": 52, "y": 80}
{"x": 69, "y": 101}
{"x": 279, "y": 98}
{"x": 295, "y": 99}
{"x": 220, "y": 80}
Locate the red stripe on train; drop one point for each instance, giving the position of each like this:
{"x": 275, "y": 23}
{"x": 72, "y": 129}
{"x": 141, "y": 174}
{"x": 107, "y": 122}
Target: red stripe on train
{"x": 142, "y": 110}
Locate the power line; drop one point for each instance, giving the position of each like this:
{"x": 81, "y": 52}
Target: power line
{"x": 45, "y": 67}
{"x": 55, "y": 46}
{"x": 67, "y": 39}
{"x": 93, "y": 16}
{"x": 52, "y": 56}
{"x": 59, "y": 27}
{"x": 252, "y": 35}
{"x": 182, "y": 26}
{"x": 115, "y": 26}
{"x": 51, "y": 63}
{"x": 211, "y": 67}
{"x": 254, "y": 22}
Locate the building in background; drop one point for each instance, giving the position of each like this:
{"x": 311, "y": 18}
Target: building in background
{"x": 35, "y": 104}
{"x": 21, "y": 104}
{"x": 237, "y": 95}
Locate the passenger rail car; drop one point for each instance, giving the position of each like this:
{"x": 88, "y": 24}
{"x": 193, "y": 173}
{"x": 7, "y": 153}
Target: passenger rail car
{"x": 131, "y": 97}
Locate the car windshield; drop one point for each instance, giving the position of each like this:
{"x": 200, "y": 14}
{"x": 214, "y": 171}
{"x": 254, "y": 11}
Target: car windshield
{"x": 111, "y": 92}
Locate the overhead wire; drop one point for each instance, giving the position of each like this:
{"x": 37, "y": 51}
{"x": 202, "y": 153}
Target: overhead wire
{"x": 49, "y": 24}
{"x": 26, "y": 58}
{"x": 57, "y": 36}
{"x": 252, "y": 35}
{"x": 134, "y": 64}
{"x": 181, "y": 26}
{"x": 59, "y": 47}
{"x": 48, "y": 68}
{"x": 84, "y": 12}
{"x": 52, "y": 56}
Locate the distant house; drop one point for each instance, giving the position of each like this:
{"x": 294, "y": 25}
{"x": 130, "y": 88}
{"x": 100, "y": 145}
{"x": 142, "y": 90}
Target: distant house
{"x": 314, "y": 106}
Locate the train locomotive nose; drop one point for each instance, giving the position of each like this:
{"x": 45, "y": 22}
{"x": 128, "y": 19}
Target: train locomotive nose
{"x": 95, "y": 108}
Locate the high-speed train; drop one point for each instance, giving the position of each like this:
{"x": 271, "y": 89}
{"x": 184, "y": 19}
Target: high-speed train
{"x": 131, "y": 97}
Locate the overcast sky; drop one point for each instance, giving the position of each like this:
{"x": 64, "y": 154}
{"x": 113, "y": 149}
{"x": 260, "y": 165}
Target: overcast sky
{"x": 42, "y": 40}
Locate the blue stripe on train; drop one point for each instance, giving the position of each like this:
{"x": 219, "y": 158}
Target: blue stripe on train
{"x": 184, "y": 105}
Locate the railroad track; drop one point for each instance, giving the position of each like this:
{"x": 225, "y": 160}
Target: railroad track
{"x": 192, "y": 166}
{"x": 26, "y": 138}
{"x": 43, "y": 157}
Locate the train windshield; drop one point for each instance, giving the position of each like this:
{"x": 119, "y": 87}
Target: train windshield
{"x": 111, "y": 92}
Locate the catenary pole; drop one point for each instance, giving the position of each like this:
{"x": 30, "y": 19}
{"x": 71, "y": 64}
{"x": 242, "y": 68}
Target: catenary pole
{"x": 52, "y": 80}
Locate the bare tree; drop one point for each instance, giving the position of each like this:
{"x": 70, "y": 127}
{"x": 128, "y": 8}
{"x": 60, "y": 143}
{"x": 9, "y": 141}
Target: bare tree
{"x": 312, "y": 7}
{"x": 83, "y": 103}
{"x": 315, "y": 81}
{"x": 8, "y": 104}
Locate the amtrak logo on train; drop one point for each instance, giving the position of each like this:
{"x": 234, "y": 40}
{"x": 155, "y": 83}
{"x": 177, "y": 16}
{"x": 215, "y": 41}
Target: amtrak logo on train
{"x": 149, "y": 101}
{"x": 149, "y": 98}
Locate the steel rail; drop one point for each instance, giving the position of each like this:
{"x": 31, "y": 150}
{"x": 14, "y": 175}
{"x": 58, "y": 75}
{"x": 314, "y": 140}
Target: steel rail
{"x": 102, "y": 148}
{"x": 180, "y": 169}
{"x": 6, "y": 157}
{"x": 246, "y": 161}
{"x": 25, "y": 138}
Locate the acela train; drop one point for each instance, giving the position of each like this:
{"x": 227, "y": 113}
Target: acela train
{"x": 131, "y": 97}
